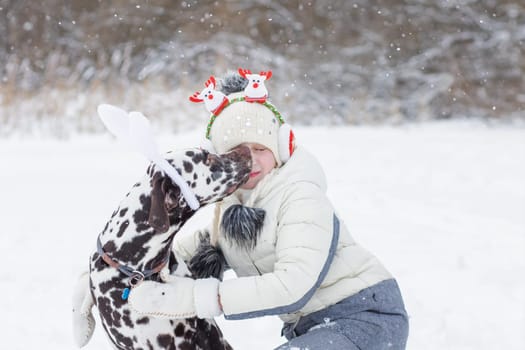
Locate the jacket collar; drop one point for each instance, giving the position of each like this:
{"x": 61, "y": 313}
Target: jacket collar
{"x": 302, "y": 167}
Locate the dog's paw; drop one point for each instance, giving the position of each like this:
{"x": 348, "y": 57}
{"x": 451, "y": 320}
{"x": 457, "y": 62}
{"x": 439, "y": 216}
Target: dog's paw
{"x": 83, "y": 328}
{"x": 83, "y": 320}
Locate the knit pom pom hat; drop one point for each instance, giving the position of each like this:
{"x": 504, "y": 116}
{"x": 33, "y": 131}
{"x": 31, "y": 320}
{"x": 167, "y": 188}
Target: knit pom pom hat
{"x": 241, "y": 113}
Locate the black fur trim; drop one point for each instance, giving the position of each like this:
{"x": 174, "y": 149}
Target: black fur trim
{"x": 242, "y": 225}
{"x": 233, "y": 82}
{"x": 208, "y": 261}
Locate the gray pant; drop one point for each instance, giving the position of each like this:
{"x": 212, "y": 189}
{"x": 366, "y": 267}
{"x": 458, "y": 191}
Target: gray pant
{"x": 373, "y": 319}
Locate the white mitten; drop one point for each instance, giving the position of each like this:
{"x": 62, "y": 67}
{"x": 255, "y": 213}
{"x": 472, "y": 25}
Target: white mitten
{"x": 83, "y": 320}
{"x": 181, "y": 297}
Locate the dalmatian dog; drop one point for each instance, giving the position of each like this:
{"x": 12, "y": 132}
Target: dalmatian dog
{"x": 135, "y": 245}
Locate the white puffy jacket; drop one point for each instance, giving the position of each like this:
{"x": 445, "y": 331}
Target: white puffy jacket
{"x": 305, "y": 258}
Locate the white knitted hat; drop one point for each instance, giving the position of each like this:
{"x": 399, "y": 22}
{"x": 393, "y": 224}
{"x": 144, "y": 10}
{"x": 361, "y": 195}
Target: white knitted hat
{"x": 245, "y": 122}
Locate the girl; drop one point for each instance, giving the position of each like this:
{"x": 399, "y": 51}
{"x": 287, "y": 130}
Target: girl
{"x": 290, "y": 251}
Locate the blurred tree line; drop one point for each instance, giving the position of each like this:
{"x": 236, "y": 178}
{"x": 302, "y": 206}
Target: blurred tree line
{"x": 334, "y": 61}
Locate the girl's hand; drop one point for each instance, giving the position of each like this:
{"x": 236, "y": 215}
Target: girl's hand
{"x": 181, "y": 297}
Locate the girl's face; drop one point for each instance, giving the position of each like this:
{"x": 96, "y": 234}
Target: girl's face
{"x": 263, "y": 162}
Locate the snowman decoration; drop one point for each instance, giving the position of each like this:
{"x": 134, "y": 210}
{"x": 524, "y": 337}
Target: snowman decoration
{"x": 255, "y": 91}
{"x": 214, "y": 100}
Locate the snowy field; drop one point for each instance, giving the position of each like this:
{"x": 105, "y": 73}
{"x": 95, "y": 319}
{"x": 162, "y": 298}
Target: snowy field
{"x": 441, "y": 204}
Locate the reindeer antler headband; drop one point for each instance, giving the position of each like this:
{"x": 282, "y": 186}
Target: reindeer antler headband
{"x": 215, "y": 101}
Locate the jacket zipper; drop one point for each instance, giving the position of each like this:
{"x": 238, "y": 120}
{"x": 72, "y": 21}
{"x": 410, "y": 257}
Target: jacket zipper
{"x": 258, "y": 271}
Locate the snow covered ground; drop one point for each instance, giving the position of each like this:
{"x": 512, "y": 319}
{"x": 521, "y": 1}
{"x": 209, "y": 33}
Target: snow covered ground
{"x": 441, "y": 204}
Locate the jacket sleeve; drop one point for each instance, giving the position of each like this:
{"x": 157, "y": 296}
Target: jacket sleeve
{"x": 306, "y": 242}
{"x": 186, "y": 245}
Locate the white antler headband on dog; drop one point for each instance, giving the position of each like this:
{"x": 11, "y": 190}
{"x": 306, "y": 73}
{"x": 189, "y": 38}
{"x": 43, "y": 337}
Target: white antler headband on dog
{"x": 134, "y": 129}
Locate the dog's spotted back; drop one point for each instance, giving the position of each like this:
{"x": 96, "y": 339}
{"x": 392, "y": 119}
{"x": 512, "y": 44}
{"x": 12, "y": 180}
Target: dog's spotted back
{"x": 139, "y": 235}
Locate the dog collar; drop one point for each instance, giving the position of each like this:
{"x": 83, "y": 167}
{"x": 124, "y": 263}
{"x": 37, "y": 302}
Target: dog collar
{"x": 135, "y": 276}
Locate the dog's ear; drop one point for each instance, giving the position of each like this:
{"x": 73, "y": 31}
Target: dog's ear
{"x": 158, "y": 213}
{"x": 164, "y": 198}
{"x": 172, "y": 194}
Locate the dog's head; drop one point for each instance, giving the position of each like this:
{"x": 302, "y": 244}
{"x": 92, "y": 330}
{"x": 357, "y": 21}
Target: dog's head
{"x": 211, "y": 177}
